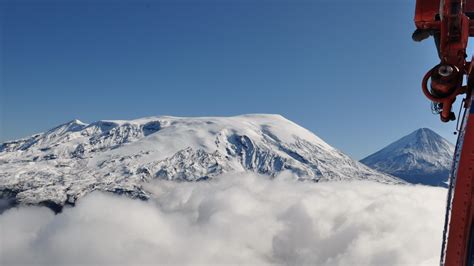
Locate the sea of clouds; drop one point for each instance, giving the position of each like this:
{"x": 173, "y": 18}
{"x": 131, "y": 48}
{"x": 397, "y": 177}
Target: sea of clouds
{"x": 237, "y": 219}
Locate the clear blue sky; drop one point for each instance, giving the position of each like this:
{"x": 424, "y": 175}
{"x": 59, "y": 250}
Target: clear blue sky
{"x": 346, "y": 70}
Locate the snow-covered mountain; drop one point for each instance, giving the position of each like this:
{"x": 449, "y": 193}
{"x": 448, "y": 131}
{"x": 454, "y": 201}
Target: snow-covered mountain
{"x": 422, "y": 157}
{"x": 61, "y": 165}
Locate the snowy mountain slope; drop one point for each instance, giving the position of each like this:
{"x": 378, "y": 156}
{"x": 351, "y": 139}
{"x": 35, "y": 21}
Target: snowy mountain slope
{"x": 61, "y": 165}
{"x": 420, "y": 157}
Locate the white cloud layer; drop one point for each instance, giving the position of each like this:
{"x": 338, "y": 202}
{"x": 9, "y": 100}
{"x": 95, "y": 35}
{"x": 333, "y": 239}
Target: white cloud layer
{"x": 238, "y": 220}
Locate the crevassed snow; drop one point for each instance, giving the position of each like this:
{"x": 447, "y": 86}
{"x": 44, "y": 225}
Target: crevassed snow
{"x": 65, "y": 163}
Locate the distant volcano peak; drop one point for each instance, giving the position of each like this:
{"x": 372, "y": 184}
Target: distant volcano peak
{"x": 422, "y": 156}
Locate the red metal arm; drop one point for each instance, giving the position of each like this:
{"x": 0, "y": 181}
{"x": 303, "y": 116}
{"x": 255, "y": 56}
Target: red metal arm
{"x": 448, "y": 21}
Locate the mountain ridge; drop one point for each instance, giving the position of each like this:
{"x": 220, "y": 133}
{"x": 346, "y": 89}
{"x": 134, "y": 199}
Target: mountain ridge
{"x": 63, "y": 164}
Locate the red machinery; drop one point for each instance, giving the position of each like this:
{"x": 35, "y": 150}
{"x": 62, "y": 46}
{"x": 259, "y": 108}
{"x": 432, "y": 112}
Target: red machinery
{"x": 451, "y": 23}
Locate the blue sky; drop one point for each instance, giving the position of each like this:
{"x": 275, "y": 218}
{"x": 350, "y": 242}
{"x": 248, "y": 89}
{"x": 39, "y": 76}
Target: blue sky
{"x": 346, "y": 70}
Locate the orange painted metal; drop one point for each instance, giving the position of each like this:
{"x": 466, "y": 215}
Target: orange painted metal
{"x": 451, "y": 23}
{"x": 425, "y": 14}
{"x": 456, "y": 249}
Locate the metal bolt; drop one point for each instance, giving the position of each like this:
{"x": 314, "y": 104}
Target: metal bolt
{"x": 445, "y": 70}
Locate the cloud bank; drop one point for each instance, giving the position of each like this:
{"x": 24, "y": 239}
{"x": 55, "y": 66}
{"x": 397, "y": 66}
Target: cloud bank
{"x": 237, "y": 219}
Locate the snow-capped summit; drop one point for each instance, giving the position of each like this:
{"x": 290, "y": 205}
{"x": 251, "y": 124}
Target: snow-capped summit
{"x": 61, "y": 165}
{"x": 421, "y": 157}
